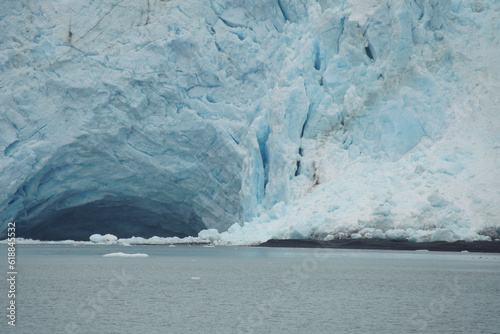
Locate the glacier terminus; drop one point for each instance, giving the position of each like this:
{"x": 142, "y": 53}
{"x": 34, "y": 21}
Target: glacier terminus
{"x": 241, "y": 121}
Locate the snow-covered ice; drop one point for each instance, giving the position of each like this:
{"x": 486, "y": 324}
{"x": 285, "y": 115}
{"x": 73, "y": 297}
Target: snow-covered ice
{"x": 121, "y": 254}
{"x": 250, "y": 120}
{"x": 107, "y": 238}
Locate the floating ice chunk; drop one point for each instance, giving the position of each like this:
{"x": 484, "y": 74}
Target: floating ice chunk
{"x": 209, "y": 235}
{"x": 159, "y": 241}
{"x": 449, "y": 234}
{"x": 468, "y": 235}
{"x": 356, "y": 236}
{"x": 444, "y": 235}
{"x": 120, "y": 254}
{"x": 366, "y": 230}
{"x": 329, "y": 237}
{"x": 420, "y": 236}
{"x": 396, "y": 235}
{"x": 409, "y": 232}
{"x": 342, "y": 235}
{"x": 107, "y": 238}
{"x": 378, "y": 234}
{"x": 28, "y": 241}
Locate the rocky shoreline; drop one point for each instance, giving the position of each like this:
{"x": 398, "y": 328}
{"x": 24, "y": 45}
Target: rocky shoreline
{"x": 381, "y": 244}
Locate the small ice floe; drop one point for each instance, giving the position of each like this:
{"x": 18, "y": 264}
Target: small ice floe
{"x": 120, "y": 254}
{"x": 195, "y": 277}
{"x": 103, "y": 239}
{"x": 329, "y": 237}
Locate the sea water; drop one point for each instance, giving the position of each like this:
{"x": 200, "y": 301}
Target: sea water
{"x": 196, "y": 289}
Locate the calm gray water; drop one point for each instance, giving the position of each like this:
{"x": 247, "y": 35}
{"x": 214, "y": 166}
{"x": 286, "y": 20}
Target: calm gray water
{"x": 195, "y": 289}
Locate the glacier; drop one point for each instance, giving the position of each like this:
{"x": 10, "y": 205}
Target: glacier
{"x": 249, "y": 120}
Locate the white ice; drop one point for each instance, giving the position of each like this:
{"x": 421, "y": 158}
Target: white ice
{"x": 120, "y": 254}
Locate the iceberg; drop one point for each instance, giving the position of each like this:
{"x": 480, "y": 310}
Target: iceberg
{"x": 249, "y": 120}
{"x": 121, "y": 254}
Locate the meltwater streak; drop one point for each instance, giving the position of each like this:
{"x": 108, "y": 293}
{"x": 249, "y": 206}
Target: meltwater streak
{"x": 194, "y": 289}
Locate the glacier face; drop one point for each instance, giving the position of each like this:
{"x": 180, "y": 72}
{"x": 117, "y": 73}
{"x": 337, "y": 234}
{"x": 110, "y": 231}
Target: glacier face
{"x": 284, "y": 119}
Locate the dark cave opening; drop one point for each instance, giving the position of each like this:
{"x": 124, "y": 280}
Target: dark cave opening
{"x": 122, "y": 217}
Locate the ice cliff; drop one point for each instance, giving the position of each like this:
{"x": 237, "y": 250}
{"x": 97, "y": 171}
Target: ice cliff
{"x": 259, "y": 119}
